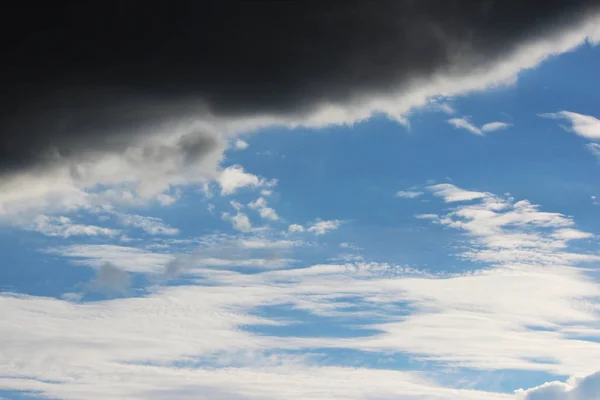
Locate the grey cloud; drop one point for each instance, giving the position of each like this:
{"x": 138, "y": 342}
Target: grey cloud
{"x": 84, "y": 77}
{"x": 110, "y": 279}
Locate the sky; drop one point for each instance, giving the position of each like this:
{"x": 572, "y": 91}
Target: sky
{"x": 210, "y": 211}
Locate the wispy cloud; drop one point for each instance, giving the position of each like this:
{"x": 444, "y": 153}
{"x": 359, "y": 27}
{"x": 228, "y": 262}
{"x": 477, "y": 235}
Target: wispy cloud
{"x": 594, "y": 148}
{"x": 583, "y": 125}
{"x": 128, "y": 258}
{"x": 150, "y": 225}
{"x": 464, "y": 123}
{"x": 65, "y": 227}
{"x": 451, "y": 193}
{"x": 408, "y": 194}
{"x": 494, "y": 126}
{"x": 322, "y": 227}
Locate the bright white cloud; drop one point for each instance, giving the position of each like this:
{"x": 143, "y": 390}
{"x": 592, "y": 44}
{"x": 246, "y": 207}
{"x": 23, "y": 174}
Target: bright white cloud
{"x": 583, "y": 125}
{"x": 295, "y": 228}
{"x": 587, "y": 388}
{"x": 494, "y": 126}
{"x": 322, "y": 227}
{"x": 451, "y": 193}
{"x": 241, "y": 145}
{"x": 483, "y": 319}
{"x": 233, "y": 178}
{"x": 408, "y": 194}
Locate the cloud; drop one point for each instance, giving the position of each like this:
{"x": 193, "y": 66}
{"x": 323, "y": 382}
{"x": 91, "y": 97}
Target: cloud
{"x": 130, "y": 259}
{"x": 508, "y": 231}
{"x": 464, "y": 123}
{"x": 65, "y": 227}
{"x": 530, "y": 313}
{"x": 239, "y": 221}
{"x": 594, "y": 148}
{"x": 408, "y": 194}
{"x": 583, "y": 125}
{"x": 233, "y": 178}
{"x": 241, "y": 145}
{"x": 261, "y": 243}
{"x": 322, "y": 227}
{"x": 265, "y": 212}
{"x": 150, "y": 225}
{"x": 587, "y": 388}
{"x": 494, "y": 126}
{"x": 451, "y": 193}
{"x": 295, "y": 228}
{"x": 446, "y": 108}
{"x": 176, "y": 84}
{"x": 69, "y": 139}
{"x": 110, "y": 279}
{"x": 427, "y": 216}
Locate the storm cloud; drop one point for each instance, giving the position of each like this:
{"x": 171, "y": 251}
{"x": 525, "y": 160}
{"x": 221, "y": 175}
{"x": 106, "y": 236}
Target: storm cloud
{"x": 94, "y": 76}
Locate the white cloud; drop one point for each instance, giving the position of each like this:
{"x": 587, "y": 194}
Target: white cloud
{"x": 233, "y": 178}
{"x": 408, "y": 194}
{"x": 295, "y": 228}
{"x": 436, "y": 105}
{"x": 130, "y": 259}
{"x": 265, "y": 212}
{"x": 594, "y": 148}
{"x": 322, "y": 227}
{"x": 427, "y": 216}
{"x": 150, "y": 225}
{"x": 451, "y": 193}
{"x": 487, "y": 319}
{"x": 65, "y": 227}
{"x": 495, "y": 126}
{"x": 239, "y": 221}
{"x": 587, "y": 388}
{"x": 261, "y": 243}
{"x": 507, "y": 231}
{"x": 240, "y": 144}
{"x": 583, "y": 125}
{"x": 464, "y": 123}
{"x": 236, "y": 205}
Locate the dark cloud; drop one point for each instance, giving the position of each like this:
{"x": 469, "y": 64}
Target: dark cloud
{"x": 110, "y": 279}
{"x": 79, "y": 76}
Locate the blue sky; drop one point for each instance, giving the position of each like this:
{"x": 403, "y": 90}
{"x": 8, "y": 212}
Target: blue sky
{"x": 451, "y": 252}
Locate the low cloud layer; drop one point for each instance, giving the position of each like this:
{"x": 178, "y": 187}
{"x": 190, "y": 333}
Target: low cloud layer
{"x": 105, "y": 75}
